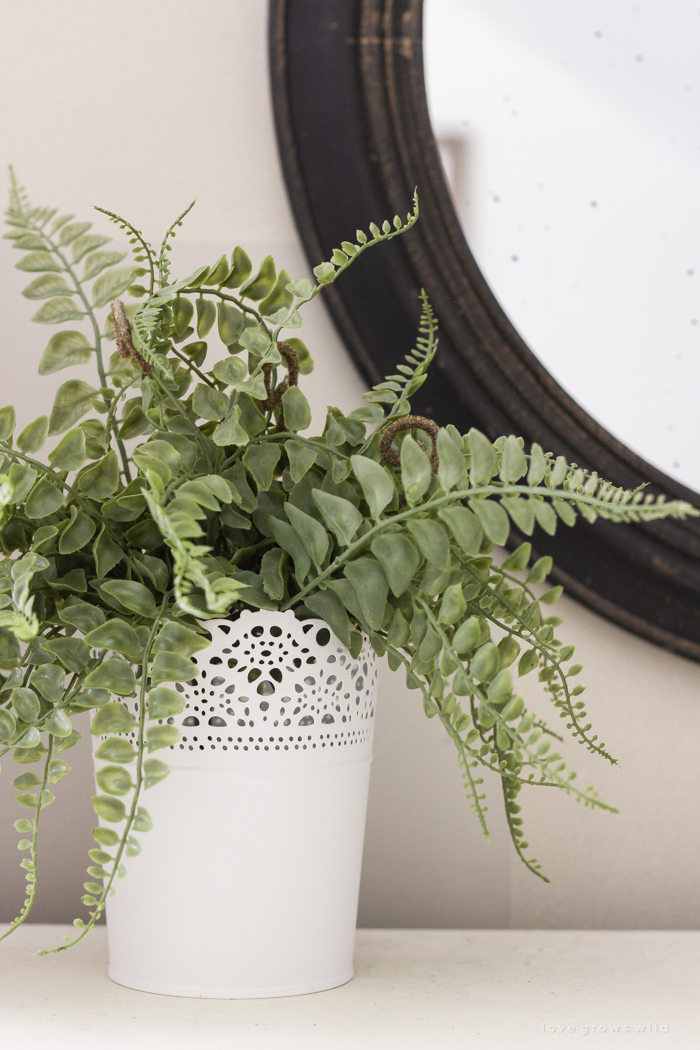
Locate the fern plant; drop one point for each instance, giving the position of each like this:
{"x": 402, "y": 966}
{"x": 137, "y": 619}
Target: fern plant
{"x": 184, "y": 487}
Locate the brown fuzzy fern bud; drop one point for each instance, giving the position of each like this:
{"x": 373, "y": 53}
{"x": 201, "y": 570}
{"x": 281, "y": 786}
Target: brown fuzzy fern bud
{"x": 409, "y": 423}
{"x": 267, "y": 373}
{"x": 291, "y": 359}
{"x": 125, "y": 344}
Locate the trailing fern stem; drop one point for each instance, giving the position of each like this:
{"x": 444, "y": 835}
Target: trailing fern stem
{"x": 31, "y": 864}
{"x": 141, "y": 745}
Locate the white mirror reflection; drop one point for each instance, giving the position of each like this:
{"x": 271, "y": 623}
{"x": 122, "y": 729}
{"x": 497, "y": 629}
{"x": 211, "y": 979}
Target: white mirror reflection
{"x": 570, "y": 135}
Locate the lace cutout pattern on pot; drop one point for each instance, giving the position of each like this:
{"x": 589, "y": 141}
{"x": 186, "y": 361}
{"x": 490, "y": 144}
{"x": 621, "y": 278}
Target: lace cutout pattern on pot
{"x": 270, "y": 682}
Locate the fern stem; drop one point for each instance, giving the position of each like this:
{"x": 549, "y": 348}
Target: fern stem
{"x": 145, "y": 246}
{"x": 453, "y": 497}
{"x": 193, "y": 368}
{"x": 550, "y": 653}
{"x": 473, "y": 792}
{"x": 554, "y": 780}
{"x": 531, "y": 865}
{"x": 100, "y": 906}
{"x": 163, "y": 263}
{"x": 69, "y": 695}
{"x": 190, "y": 419}
{"x": 284, "y": 435}
{"x": 119, "y": 396}
{"x": 32, "y": 883}
{"x": 52, "y": 476}
{"x": 227, "y": 298}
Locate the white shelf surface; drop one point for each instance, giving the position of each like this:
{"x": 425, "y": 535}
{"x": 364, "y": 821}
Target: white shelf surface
{"x": 413, "y": 990}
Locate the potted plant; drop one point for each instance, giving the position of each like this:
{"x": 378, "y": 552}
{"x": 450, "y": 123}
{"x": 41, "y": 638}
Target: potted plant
{"x": 215, "y": 586}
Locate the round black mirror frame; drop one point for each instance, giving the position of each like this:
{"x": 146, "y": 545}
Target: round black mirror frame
{"x": 355, "y": 139}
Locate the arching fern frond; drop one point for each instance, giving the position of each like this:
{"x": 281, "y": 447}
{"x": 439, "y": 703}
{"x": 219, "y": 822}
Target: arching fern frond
{"x": 395, "y": 390}
{"x": 143, "y": 252}
{"x": 326, "y": 272}
{"x": 163, "y": 263}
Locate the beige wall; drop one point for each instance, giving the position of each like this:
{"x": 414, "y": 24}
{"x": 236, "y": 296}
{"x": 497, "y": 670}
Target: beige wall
{"x": 141, "y": 105}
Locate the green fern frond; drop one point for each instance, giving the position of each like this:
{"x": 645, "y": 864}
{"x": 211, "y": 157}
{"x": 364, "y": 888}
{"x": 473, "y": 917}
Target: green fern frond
{"x": 143, "y": 252}
{"x": 471, "y": 790}
{"x": 189, "y": 572}
{"x": 395, "y": 390}
{"x": 19, "y": 202}
{"x": 511, "y": 790}
{"x": 163, "y": 263}
{"x": 327, "y": 272}
{"x": 20, "y": 213}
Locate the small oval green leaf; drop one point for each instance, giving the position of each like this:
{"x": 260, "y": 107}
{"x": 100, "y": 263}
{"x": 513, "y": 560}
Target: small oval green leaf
{"x": 109, "y": 808}
{"x": 114, "y": 780}
{"x": 34, "y": 435}
{"x": 132, "y": 595}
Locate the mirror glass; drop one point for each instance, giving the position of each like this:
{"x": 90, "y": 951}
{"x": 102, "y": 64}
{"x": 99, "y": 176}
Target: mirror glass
{"x": 570, "y": 135}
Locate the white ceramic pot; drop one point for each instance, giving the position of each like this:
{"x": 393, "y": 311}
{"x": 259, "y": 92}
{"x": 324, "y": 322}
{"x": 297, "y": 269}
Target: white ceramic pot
{"x": 247, "y": 885}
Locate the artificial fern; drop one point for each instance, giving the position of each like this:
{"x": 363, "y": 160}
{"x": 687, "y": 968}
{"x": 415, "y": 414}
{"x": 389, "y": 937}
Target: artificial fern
{"x": 112, "y": 558}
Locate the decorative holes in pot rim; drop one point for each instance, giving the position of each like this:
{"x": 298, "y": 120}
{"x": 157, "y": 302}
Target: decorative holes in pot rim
{"x": 270, "y": 683}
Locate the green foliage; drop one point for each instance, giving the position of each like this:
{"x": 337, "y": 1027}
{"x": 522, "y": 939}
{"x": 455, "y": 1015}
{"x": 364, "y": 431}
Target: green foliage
{"x": 164, "y": 702}
{"x": 69, "y": 454}
{"x": 381, "y": 525}
{"x": 109, "y": 808}
{"x": 162, "y": 736}
{"x": 113, "y": 718}
{"x": 114, "y": 780}
{"x": 118, "y": 636}
{"x": 114, "y": 749}
{"x": 73, "y": 400}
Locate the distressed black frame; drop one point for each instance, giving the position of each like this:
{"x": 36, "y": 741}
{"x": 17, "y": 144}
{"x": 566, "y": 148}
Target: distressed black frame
{"x": 355, "y": 139}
